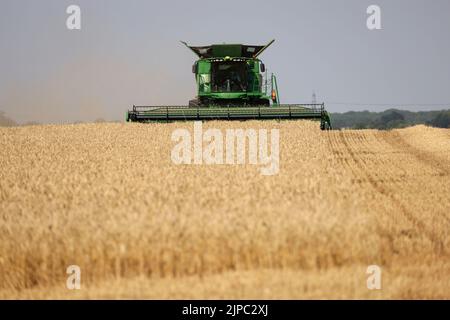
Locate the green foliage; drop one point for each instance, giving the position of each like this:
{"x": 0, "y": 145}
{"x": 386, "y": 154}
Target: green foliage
{"x": 441, "y": 120}
{"x": 390, "y": 119}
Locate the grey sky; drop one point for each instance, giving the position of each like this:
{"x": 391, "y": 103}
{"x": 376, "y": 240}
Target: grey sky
{"x": 128, "y": 52}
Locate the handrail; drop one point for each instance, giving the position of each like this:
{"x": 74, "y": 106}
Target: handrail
{"x": 275, "y": 87}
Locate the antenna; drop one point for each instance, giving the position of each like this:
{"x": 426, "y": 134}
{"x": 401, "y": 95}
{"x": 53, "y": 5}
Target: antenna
{"x": 314, "y": 98}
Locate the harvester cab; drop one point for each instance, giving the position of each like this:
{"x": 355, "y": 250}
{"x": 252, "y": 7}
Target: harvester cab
{"x": 231, "y": 75}
{"x": 232, "y": 84}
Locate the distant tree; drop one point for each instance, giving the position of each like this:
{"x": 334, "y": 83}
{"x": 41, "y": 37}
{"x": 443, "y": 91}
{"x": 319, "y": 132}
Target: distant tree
{"x": 392, "y": 116}
{"x": 6, "y": 121}
{"x": 441, "y": 120}
{"x": 360, "y": 126}
{"x": 389, "y": 120}
{"x": 99, "y": 120}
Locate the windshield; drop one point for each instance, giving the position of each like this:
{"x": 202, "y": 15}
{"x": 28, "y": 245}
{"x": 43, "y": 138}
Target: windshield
{"x": 229, "y": 76}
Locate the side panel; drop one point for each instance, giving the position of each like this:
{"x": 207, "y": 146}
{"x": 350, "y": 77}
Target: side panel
{"x": 203, "y": 77}
{"x": 254, "y": 77}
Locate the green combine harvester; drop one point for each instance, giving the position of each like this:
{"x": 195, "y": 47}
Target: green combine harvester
{"x": 232, "y": 84}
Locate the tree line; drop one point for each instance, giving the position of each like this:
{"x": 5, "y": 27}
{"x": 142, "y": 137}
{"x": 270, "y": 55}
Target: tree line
{"x": 390, "y": 119}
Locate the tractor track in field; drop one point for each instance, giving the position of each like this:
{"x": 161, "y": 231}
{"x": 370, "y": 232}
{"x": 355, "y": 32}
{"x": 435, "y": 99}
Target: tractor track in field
{"x": 357, "y": 171}
{"x": 384, "y": 189}
{"x": 398, "y": 142}
{"x": 395, "y": 140}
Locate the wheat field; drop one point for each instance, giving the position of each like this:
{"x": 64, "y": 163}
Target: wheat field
{"x": 108, "y": 198}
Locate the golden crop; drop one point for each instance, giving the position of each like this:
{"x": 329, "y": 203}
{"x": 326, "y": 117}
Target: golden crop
{"x": 108, "y": 198}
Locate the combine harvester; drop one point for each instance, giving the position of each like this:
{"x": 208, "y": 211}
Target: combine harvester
{"x": 232, "y": 84}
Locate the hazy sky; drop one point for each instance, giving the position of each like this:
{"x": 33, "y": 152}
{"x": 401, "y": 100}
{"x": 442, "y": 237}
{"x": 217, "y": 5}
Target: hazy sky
{"x": 128, "y": 52}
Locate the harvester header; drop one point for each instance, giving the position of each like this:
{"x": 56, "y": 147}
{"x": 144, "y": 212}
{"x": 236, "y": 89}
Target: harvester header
{"x": 232, "y": 84}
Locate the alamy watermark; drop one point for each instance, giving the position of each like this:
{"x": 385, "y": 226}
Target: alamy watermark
{"x": 73, "y": 21}
{"x": 373, "y": 21}
{"x": 215, "y": 147}
{"x": 374, "y": 278}
{"x": 73, "y": 281}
